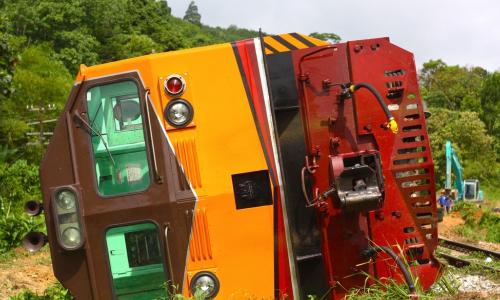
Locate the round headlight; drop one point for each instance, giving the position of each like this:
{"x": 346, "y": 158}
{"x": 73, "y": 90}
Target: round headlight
{"x": 179, "y": 113}
{"x": 71, "y": 237}
{"x": 174, "y": 85}
{"x": 66, "y": 199}
{"x": 205, "y": 283}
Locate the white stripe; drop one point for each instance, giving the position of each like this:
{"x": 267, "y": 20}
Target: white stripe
{"x": 267, "y": 102}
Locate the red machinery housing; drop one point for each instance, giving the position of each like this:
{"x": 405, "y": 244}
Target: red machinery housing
{"x": 366, "y": 187}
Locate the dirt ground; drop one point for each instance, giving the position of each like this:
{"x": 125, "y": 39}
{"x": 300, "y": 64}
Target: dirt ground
{"x": 450, "y": 222}
{"x": 447, "y": 229}
{"x": 25, "y": 270}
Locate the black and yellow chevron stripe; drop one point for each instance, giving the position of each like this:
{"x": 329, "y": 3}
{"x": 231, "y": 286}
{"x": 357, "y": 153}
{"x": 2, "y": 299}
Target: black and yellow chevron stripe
{"x": 290, "y": 41}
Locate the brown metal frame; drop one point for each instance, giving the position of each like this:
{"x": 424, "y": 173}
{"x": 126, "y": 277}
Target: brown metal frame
{"x": 69, "y": 160}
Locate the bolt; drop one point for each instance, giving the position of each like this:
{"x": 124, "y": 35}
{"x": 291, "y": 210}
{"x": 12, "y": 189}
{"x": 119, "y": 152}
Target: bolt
{"x": 326, "y": 83}
{"x": 368, "y": 127}
{"x": 331, "y": 120}
{"x": 304, "y": 77}
{"x": 334, "y": 142}
{"x": 358, "y": 48}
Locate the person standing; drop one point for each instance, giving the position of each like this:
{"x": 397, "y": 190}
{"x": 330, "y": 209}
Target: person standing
{"x": 442, "y": 200}
{"x": 449, "y": 204}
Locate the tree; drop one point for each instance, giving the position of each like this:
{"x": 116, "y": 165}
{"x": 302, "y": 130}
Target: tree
{"x": 469, "y": 138}
{"x": 452, "y": 87}
{"x": 20, "y": 183}
{"x": 131, "y": 45}
{"x": 328, "y": 37}
{"x": 39, "y": 79}
{"x": 192, "y": 14}
{"x": 8, "y": 59}
{"x": 76, "y": 47}
{"x": 490, "y": 102}
{"x": 428, "y": 70}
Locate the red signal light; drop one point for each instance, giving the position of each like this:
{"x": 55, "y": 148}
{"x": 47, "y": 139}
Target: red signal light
{"x": 174, "y": 85}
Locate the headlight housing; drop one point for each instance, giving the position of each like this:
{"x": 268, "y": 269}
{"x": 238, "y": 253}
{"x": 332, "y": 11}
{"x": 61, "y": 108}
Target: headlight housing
{"x": 174, "y": 85}
{"x": 66, "y": 200}
{"x": 67, "y": 218}
{"x": 206, "y": 283}
{"x": 179, "y": 113}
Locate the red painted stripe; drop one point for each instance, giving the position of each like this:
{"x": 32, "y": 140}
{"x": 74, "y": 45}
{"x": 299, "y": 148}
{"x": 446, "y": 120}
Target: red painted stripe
{"x": 249, "y": 59}
{"x": 246, "y": 51}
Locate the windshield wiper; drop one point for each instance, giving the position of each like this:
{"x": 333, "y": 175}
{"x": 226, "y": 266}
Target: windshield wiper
{"x": 92, "y": 121}
{"x": 98, "y": 133}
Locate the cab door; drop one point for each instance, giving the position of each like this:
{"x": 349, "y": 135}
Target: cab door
{"x": 135, "y": 230}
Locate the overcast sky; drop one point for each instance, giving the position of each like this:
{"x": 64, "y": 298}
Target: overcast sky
{"x": 457, "y": 31}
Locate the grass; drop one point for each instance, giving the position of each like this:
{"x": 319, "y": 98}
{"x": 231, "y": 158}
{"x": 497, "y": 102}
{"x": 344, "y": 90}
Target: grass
{"x": 388, "y": 288}
{"x": 58, "y": 292}
{"x": 54, "y": 292}
{"x": 481, "y": 223}
{"x": 445, "y": 286}
{"x": 492, "y": 196}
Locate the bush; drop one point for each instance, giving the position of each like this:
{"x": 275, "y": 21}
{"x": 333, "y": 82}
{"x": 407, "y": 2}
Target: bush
{"x": 478, "y": 224}
{"x": 13, "y": 227}
{"x": 20, "y": 183}
{"x": 491, "y": 221}
{"x": 54, "y": 292}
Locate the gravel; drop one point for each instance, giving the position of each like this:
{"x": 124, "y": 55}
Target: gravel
{"x": 476, "y": 283}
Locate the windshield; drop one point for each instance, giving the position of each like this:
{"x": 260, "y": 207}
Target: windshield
{"x": 117, "y": 135}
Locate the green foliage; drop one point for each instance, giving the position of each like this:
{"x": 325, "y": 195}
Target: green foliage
{"x": 13, "y": 131}
{"x": 192, "y": 15}
{"x": 469, "y": 138}
{"x": 40, "y": 79}
{"x": 95, "y": 31}
{"x": 467, "y": 211}
{"x": 76, "y": 47}
{"x": 20, "y": 183}
{"x": 452, "y": 87}
{"x": 328, "y": 37}
{"x": 465, "y": 106}
{"x": 446, "y": 285}
{"x": 490, "y": 221}
{"x": 13, "y": 227}
{"x": 389, "y": 288}
{"x": 133, "y": 45}
{"x": 478, "y": 224}
{"x": 490, "y": 99}
{"x": 54, "y": 292}
{"x": 8, "y": 59}
{"x": 490, "y": 103}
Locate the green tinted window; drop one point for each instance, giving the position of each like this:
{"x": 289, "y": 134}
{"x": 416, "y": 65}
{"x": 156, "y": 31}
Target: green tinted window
{"x": 135, "y": 259}
{"x": 118, "y": 144}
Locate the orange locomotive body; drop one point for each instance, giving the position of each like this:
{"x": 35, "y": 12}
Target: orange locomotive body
{"x": 181, "y": 172}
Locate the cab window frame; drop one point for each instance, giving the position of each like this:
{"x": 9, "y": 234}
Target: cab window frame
{"x": 163, "y": 255}
{"x": 134, "y": 77}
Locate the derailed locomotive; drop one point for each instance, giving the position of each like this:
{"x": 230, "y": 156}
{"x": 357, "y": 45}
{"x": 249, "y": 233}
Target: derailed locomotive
{"x": 271, "y": 168}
